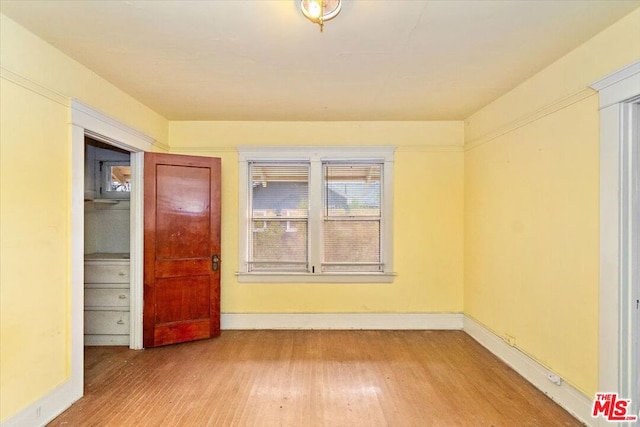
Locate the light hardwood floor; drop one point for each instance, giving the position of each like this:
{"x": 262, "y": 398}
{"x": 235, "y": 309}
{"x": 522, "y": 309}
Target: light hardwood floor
{"x": 310, "y": 378}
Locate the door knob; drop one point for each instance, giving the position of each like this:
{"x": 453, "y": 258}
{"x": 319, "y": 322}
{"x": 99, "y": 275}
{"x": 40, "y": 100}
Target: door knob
{"x": 215, "y": 262}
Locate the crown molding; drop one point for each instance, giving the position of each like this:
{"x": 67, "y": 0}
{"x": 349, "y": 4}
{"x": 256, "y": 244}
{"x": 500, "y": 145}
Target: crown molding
{"x": 203, "y": 149}
{"x": 97, "y": 124}
{"x": 34, "y": 87}
{"x": 430, "y": 149}
{"x": 531, "y": 117}
{"x": 615, "y": 87}
{"x": 617, "y": 76}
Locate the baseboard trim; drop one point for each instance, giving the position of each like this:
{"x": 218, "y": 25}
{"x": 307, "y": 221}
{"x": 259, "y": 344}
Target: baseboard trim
{"x": 106, "y": 340}
{"x": 398, "y": 321}
{"x": 44, "y": 410}
{"x": 575, "y": 402}
{"x": 565, "y": 395}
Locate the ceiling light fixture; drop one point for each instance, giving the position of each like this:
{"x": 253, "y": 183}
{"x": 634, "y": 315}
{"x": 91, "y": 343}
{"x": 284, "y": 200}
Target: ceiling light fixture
{"x": 318, "y": 11}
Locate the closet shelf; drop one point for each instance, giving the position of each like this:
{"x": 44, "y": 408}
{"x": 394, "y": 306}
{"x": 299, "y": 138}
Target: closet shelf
{"x": 104, "y": 201}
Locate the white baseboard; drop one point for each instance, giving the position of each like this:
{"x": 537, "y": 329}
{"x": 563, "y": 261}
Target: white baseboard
{"x": 51, "y": 405}
{"x": 398, "y": 321}
{"x": 45, "y": 409}
{"x": 572, "y": 400}
{"x": 103, "y": 340}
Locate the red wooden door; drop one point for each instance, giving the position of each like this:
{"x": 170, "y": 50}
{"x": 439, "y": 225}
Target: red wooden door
{"x": 181, "y": 248}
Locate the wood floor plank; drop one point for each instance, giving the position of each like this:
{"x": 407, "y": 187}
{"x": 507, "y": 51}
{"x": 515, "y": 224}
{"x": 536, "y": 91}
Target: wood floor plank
{"x": 310, "y": 378}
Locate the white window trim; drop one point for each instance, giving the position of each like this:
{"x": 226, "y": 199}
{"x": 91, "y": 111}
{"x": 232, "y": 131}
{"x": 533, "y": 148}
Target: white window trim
{"x": 315, "y": 155}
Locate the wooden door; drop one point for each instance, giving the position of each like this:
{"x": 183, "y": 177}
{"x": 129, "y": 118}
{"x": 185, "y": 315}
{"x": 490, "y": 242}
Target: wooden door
{"x": 181, "y": 248}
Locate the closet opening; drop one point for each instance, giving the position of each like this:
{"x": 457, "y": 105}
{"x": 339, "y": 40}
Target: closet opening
{"x": 107, "y": 235}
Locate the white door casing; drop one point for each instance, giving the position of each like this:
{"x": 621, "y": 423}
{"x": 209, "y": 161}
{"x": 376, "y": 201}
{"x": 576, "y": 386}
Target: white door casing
{"x": 619, "y": 233}
{"x": 87, "y": 121}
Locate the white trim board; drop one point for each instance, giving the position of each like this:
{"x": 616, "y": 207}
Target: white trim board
{"x": 618, "y": 93}
{"x": 107, "y": 340}
{"x": 34, "y": 87}
{"x": 565, "y": 395}
{"x": 45, "y": 409}
{"x": 344, "y": 321}
{"x": 528, "y": 118}
{"x": 109, "y": 130}
{"x": 619, "y": 86}
{"x": 88, "y": 121}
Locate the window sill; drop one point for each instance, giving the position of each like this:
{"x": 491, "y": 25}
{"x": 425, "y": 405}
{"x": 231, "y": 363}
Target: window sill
{"x": 315, "y": 278}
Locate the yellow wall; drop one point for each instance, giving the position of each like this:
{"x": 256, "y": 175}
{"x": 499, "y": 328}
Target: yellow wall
{"x": 35, "y": 206}
{"x": 612, "y": 49}
{"x": 34, "y": 224}
{"x": 531, "y": 208}
{"x": 32, "y": 59}
{"x": 524, "y": 196}
{"x": 428, "y": 214}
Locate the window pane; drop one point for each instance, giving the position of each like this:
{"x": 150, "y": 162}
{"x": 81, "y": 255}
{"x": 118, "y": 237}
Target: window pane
{"x": 279, "y": 191}
{"x": 279, "y": 245}
{"x": 352, "y": 190}
{"x": 279, "y": 211}
{"x": 353, "y": 268}
{"x": 120, "y": 178}
{"x": 352, "y": 242}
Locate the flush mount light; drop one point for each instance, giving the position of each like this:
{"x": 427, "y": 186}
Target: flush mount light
{"x": 318, "y": 11}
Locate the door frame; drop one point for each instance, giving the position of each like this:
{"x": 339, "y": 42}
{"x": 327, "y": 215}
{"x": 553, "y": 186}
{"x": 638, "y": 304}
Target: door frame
{"x": 619, "y": 94}
{"x": 86, "y": 121}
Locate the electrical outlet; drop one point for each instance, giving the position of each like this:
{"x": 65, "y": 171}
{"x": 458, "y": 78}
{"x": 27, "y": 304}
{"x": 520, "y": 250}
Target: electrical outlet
{"x": 510, "y": 340}
{"x": 555, "y": 379}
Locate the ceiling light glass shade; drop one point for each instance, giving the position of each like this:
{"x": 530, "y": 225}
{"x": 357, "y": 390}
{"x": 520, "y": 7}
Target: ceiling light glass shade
{"x": 314, "y": 9}
{"x": 318, "y": 11}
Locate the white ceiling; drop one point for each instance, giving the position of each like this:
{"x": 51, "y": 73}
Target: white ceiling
{"x": 262, "y": 60}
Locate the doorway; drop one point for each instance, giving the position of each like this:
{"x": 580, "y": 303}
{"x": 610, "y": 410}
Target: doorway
{"x": 107, "y": 231}
{"x": 87, "y": 122}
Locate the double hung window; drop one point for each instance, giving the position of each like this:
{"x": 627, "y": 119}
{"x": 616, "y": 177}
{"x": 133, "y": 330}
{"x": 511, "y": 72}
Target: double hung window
{"x": 311, "y": 214}
{"x": 279, "y": 215}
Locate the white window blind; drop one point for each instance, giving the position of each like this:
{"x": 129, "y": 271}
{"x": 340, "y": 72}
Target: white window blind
{"x": 279, "y": 198}
{"x": 352, "y": 217}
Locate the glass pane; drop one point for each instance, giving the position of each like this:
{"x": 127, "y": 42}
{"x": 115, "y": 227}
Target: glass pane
{"x": 353, "y": 268}
{"x": 279, "y": 211}
{"x": 279, "y": 191}
{"x": 120, "y": 178}
{"x": 352, "y": 190}
{"x": 279, "y": 241}
{"x": 351, "y": 241}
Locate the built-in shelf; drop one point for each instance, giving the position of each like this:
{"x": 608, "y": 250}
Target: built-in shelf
{"x": 104, "y": 201}
{"x": 106, "y": 256}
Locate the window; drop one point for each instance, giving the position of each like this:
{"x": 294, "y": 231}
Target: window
{"x": 316, "y": 215}
{"x": 114, "y": 179}
{"x": 278, "y": 198}
{"x": 352, "y": 220}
